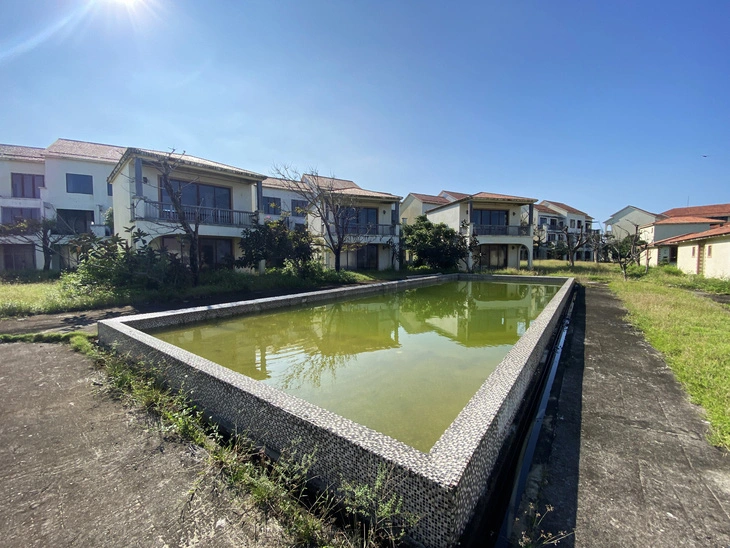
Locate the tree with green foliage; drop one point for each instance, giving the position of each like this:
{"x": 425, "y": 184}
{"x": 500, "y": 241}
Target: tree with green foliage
{"x": 112, "y": 262}
{"x": 275, "y": 243}
{"x": 435, "y": 245}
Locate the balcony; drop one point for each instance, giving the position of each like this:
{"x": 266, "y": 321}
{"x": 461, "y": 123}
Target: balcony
{"x": 501, "y": 230}
{"x": 164, "y": 212}
{"x": 370, "y": 230}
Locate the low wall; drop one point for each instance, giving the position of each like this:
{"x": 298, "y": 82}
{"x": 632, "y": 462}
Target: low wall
{"x": 443, "y": 486}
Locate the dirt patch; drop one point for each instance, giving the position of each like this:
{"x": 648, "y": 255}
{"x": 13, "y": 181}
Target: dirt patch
{"x": 78, "y": 468}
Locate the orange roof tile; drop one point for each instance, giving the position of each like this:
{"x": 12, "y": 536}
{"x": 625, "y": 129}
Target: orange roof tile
{"x": 713, "y": 210}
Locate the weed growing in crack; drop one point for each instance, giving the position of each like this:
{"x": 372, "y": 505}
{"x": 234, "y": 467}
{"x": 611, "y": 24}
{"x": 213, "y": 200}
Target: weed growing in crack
{"x": 532, "y": 535}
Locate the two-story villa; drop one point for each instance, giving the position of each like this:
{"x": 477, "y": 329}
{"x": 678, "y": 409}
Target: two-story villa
{"x": 365, "y": 222}
{"x": 219, "y": 199}
{"x": 495, "y": 220}
{"x": 65, "y": 182}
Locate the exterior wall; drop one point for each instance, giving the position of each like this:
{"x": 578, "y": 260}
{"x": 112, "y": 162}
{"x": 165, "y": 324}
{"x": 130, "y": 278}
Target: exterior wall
{"x": 443, "y": 486}
{"x": 627, "y": 223}
{"x": 685, "y": 261}
{"x": 718, "y": 265}
{"x": 98, "y": 202}
{"x": 451, "y": 215}
{"x": 664, "y": 231}
{"x": 286, "y": 197}
{"x": 7, "y": 168}
{"x": 410, "y": 209}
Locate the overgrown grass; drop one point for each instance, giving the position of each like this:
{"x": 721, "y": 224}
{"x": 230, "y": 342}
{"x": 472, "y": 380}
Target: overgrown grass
{"x": 280, "y": 488}
{"x": 67, "y": 294}
{"x": 692, "y": 334}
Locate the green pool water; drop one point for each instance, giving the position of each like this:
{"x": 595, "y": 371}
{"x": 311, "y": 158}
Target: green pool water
{"x": 402, "y": 364}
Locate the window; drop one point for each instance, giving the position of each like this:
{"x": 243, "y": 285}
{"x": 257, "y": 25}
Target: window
{"x": 79, "y": 184}
{"x": 18, "y": 256}
{"x": 580, "y": 224}
{"x": 494, "y": 217}
{"x": 553, "y": 222}
{"x": 709, "y": 251}
{"x": 73, "y": 221}
{"x": 215, "y": 252}
{"x": 551, "y": 237}
{"x": 572, "y": 223}
{"x": 543, "y": 221}
{"x": 11, "y": 215}
{"x": 26, "y": 185}
{"x": 272, "y": 206}
{"x": 299, "y": 208}
{"x": 694, "y": 251}
{"x": 109, "y": 190}
{"x": 367, "y": 257}
{"x": 198, "y": 194}
{"x": 360, "y": 220}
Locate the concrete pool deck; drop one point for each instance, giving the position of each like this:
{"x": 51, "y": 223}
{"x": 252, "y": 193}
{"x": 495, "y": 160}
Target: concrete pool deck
{"x": 625, "y": 457}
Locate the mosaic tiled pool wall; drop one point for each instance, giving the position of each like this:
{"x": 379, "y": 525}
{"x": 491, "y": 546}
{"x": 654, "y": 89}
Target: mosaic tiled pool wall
{"x": 443, "y": 486}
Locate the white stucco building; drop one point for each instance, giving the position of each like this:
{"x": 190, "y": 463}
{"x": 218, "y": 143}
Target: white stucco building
{"x": 66, "y": 182}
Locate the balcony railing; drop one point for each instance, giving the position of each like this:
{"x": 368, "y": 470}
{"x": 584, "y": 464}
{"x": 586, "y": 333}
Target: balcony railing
{"x": 370, "y": 230}
{"x": 161, "y": 211}
{"x": 501, "y": 230}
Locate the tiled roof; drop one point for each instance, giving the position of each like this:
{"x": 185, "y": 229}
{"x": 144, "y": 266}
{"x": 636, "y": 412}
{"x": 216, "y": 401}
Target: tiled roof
{"x": 458, "y": 196}
{"x": 66, "y": 148}
{"x": 341, "y": 186}
{"x": 454, "y": 195}
{"x": 685, "y": 220}
{"x": 711, "y": 233}
{"x": 428, "y": 199}
{"x": 184, "y": 160}
{"x": 503, "y": 197}
{"x": 568, "y": 208}
{"x": 714, "y": 210}
{"x": 545, "y": 209}
{"x": 349, "y": 188}
{"x": 20, "y": 153}
{"x": 370, "y": 194}
{"x": 275, "y": 182}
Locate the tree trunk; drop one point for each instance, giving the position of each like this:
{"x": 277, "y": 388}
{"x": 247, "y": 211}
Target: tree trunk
{"x": 337, "y": 259}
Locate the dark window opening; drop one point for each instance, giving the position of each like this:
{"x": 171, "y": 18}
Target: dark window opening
{"x": 299, "y": 208}
{"x": 73, "y": 221}
{"x": 494, "y": 217}
{"x": 216, "y": 252}
{"x": 18, "y": 256}
{"x": 25, "y": 185}
{"x": 12, "y": 215}
{"x": 272, "y": 206}
{"x": 198, "y": 194}
{"x": 79, "y": 184}
{"x": 367, "y": 257}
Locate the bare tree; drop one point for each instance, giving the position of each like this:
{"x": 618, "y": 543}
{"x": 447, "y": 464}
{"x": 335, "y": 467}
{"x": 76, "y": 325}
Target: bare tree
{"x": 574, "y": 241}
{"x": 334, "y": 204}
{"x": 187, "y": 217}
{"x": 627, "y": 250}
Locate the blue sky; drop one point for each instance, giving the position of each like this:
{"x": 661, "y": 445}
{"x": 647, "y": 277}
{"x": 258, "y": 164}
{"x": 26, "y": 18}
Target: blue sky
{"x": 594, "y": 104}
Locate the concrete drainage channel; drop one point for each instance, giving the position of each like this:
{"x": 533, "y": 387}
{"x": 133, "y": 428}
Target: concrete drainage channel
{"x": 445, "y": 486}
{"x": 493, "y": 520}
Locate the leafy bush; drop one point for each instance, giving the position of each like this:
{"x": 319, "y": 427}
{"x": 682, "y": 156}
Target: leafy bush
{"x": 114, "y": 263}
